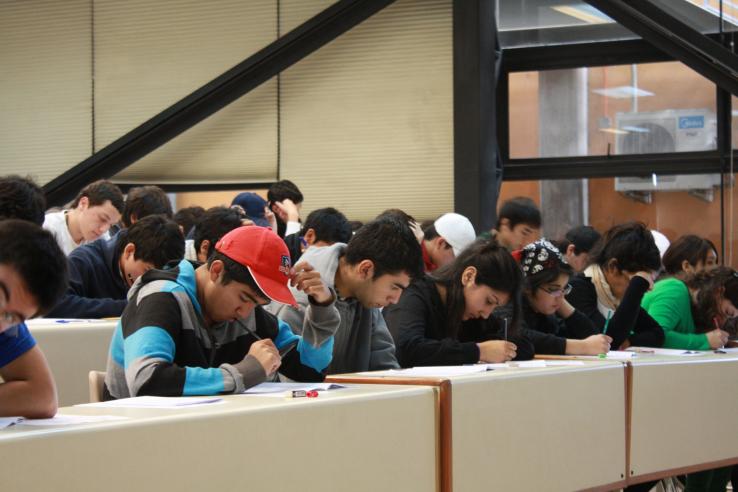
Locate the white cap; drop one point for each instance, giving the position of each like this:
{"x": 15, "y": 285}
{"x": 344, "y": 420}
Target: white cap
{"x": 662, "y": 242}
{"x": 457, "y": 230}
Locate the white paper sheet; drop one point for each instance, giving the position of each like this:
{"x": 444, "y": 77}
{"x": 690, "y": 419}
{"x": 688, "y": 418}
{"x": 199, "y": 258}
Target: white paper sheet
{"x": 664, "y": 351}
{"x": 554, "y": 363}
{"x": 281, "y": 388}
{"x": 72, "y": 420}
{"x": 9, "y": 421}
{"x": 433, "y": 371}
{"x": 155, "y": 402}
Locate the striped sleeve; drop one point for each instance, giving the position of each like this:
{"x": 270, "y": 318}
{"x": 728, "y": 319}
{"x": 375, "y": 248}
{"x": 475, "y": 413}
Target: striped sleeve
{"x": 150, "y": 338}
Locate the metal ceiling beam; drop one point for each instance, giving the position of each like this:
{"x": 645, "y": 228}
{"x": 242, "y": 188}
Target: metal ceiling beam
{"x": 677, "y": 39}
{"x": 213, "y": 96}
{"x": 613, "y": 166}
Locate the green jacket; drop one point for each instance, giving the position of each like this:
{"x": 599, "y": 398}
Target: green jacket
{"x": 670, "y": 304}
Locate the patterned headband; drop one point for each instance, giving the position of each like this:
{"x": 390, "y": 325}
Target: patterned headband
{"x": 538, "y": 256}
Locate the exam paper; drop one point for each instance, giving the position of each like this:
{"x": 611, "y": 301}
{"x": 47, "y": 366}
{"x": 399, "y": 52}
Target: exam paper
{"x": 154, "y": 402}
{"x": 8, "y": 421}
{"x": 72, "y": 420}
{"x": 436, "y": 371}
{"x": 281, "y": 388}
{"x": 665, "y": 351}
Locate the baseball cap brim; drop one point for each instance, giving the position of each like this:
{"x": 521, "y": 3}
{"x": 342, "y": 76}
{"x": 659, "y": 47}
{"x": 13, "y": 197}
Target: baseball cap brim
{"x": 274, "y": 290}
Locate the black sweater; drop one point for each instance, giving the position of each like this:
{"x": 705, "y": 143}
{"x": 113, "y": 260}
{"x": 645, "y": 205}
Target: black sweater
{"x": 418, "y": 325}
{"x": 628, "y": 322}
{"x": 549, "y": 332}
{"x": 96, "y": 288}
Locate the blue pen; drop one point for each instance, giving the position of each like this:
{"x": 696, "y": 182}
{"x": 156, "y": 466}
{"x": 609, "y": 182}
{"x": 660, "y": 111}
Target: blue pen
{"x": 607, "y": 322}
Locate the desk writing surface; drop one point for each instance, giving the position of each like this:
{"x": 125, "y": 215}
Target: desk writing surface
{"x": 556, "y": 428}
{"x": 683, "y": 411}
{"x": 73, "y": 349}
{"x": 365, "y": 438}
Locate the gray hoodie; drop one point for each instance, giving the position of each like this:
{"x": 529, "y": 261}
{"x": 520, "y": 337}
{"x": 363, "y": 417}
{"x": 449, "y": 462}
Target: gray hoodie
{"x": 362, "y": 341}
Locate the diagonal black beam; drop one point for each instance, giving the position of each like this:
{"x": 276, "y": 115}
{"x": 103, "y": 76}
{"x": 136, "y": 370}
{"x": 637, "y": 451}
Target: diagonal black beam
{"x": 697, "y": 51}
{"x": 213, "y": 96}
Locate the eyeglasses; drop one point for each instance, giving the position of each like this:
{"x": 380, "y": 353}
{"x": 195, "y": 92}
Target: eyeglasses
{"x": 558, "y": 292}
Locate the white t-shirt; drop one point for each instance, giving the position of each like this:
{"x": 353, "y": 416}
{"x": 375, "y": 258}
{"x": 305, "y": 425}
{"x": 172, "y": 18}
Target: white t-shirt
{"x": 56, "y": 223}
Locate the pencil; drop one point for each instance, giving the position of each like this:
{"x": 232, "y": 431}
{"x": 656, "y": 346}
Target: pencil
{"x": 607, "y": 322}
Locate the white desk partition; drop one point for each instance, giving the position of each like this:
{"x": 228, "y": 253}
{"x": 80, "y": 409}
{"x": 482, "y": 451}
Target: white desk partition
{"x": 683, "y": 414}
{"x": 549, "y": 429}
{"x": 368, "y": 438}
{"x": 556, "y": 428}
{"x": 73, "y": 348}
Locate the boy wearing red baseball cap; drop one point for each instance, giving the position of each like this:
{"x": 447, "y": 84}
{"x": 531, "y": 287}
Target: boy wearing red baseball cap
{"x": 202, "y": 331}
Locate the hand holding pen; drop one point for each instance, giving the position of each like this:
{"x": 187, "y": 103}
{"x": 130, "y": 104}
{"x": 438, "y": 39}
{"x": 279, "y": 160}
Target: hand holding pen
{"x": 717, "y": 338}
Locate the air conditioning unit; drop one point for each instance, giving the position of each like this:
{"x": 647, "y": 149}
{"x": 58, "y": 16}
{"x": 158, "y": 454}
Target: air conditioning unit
{"x": 673, "y": 130}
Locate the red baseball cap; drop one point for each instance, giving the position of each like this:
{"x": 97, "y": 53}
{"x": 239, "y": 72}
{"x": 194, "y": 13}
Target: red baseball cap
{"x": 265, "y": 255}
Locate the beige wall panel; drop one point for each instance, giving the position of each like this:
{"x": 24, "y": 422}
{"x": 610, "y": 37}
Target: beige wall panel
{"x": 45, "y": 86}
{"x": 149, "y": 55}
{"x": 367, "y": 121}
{"x": 295, "y": 12}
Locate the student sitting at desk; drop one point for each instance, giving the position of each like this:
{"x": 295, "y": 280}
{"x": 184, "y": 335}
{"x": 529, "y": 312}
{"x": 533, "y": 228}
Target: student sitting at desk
{"x": 609, "y": 291}
{"x": 101, "y": 273}
{"x": 323, "y": 227}
{"x": 213, "y": 225}
{"x": 33, "y": 273}
{"x": 692, "y": 311}
{"x": 673, "y": 298}
{"x": 368, "y": 274}
{"x": 173, "y": 338}
{"x": 551, "y": 323}
{"x": 443, "y": 318}
{"x": 97, "y": 207}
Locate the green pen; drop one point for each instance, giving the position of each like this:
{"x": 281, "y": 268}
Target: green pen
{"x": 607, "y": 322}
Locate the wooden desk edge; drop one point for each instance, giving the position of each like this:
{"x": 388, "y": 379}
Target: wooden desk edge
{"x": 445, "y": 458}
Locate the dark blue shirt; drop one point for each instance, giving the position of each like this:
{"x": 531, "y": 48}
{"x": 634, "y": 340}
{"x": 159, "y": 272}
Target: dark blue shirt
{"x": 15, "y": 342}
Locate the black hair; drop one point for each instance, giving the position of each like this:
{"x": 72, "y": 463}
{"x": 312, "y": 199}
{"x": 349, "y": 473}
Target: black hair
{"x": 215, "y": 223}
{"x": 519, "y": 210}
{"x": 711, "y": 286}
{"x": 390, "y": 244}
{"x": 430, "y": 232}
{"x": 628, "y": 247}
{"x": 37, "y": 258}
{"x": 158, "y": 240}
{"x": 283, "y": 190}
{"x": 21, "y": 198}
{"x": 99, "y": 192}
{"x": 329, "y": 225}
{"x": 398, "y": 213}
{"x": 692, "y": 248}
{"x": 236, "y": 272}
{"x": 188, "y": 217}
{"x": 582, "y": 237}
{"x": 146, "y": 200}
{"x": 355, "y": 225}
{"x": 496, "y": 268}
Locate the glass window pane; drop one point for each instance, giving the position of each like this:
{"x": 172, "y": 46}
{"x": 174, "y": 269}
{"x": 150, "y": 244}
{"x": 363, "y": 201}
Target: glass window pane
{"x": 542, "y": 14}
{"x": 543, "y": 22}
{"x": 678, "y": 205}
{"x": 624, "y": 109}
{"x": 702, "y": 15}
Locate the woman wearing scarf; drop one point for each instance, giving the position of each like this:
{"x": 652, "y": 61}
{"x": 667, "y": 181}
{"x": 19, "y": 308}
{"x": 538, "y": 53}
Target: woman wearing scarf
{"x": 610, "y": 290}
